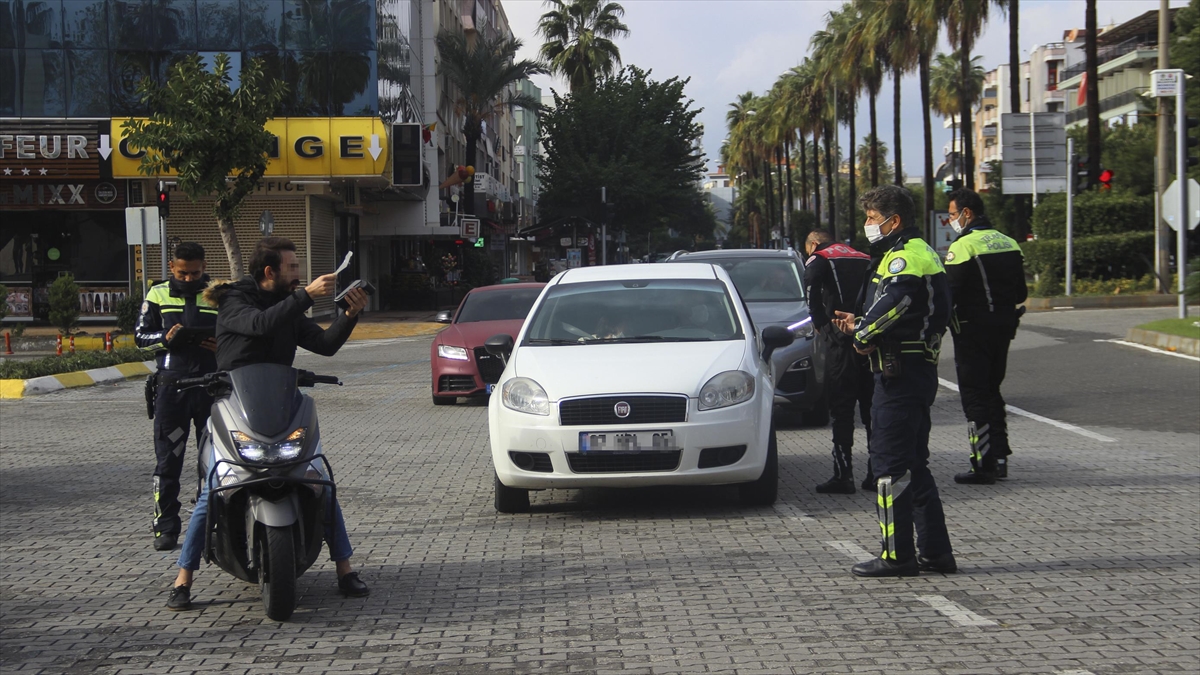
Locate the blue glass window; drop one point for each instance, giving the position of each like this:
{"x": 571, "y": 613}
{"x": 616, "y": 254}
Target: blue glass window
{"x": 85, "y": 24}
{"x": 262, "y": 24}
{"x": 87, "y": 83}
{"x": 128, "y": 69}
{"x": 307, "y": 75}
{"x": 9, "y": 100}
{"x": 130, "y": 24}
{"x": 175, "y": 24}
{"x": 8, "y": 24}
{"x": 353, "y": 90}
{"x": 218, "y": 25}
{"x": 41, "y": 78}
{"x": 40, "y": 25}
{"x": 306, "y": 25}
{"x": 352, "y": 24}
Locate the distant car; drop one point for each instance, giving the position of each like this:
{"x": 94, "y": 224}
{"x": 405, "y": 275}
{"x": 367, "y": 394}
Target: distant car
{"x": 628, "y": 376}
{"x": 771, "y": 284}
{"x": 460, "y": 365}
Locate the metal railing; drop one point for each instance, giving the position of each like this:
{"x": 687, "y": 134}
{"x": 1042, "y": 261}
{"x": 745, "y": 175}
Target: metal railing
{"x": 1110, "y": 103}
{"x": 1106, "y": 54}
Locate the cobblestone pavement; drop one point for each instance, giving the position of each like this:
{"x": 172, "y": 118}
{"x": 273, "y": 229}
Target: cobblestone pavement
{"x": 1084, "y": 561}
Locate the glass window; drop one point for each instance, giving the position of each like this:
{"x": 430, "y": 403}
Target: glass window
{"x": 274, "y": 67}
{"x": 128, "y": 69}
{"x": 235, "y": 66}
{"x": 306, "y": 24}
{"x": 8, "y": 24}
{"x": 42, "y": 80}
{"x": 42, "y": 25}
{"x": 761, "y": 280}
{"x": 87, "y": 83}
{"x": 307, "y": 74}
{"x": 262, "y": 24}
{"x": 9, "y": 101}
{"x": 218, "y": 25}
{"x": 175, "y": 24}
{"x": 85, "y": 24}
{"x": 498, "y": 305}
{"x": 352, "y": 24}
{"x": 129, "y": 24}
{"x": 353, "y": 90}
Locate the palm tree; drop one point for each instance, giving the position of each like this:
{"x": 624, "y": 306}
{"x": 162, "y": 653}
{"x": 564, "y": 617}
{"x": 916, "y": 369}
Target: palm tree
{"x": 862, "y": 42}
{"x": 965, "y": 20}
{"x": 896, "y": 47}
{"x": 840, "y": 67}
{"x": 482, "y": 76}
{"x": 872, "y": 145}
{"x": 1093, "y": 96}
{"x": 948, "y": 93}
{"x": 925, "y": 18}
{"x": 579, "y": 40}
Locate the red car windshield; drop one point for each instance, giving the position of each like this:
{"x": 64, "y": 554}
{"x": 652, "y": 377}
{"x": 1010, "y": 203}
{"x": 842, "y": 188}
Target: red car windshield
{"x": 498, "y": 305}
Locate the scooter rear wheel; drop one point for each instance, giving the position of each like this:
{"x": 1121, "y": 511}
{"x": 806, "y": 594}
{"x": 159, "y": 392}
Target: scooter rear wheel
{"x": 277, "y": 577}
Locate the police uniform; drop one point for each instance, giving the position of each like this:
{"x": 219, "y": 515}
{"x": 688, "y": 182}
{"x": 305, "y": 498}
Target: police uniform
{"x": 907, "y": 307}
{"x": 833, "y": 278}
{"x": 987, "y": 280}
{"x": 168, "y": 304}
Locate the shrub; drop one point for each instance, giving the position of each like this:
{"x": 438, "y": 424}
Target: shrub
{"x": 128, "y": 310}
{"x": 64, "y": 303}
{"x": 1049, "y": 284}
{"x": 1103, "y": 256}
{"x": 54, "y": 365}
{"x": 1191, "y": 285}
{"x": 1094, "y": 213}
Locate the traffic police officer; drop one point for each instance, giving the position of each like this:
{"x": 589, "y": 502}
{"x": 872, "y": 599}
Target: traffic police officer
{"x": 907, "y": 308}
{"x": 833, "y": 279}
{"x": 169, "y": 307}
{"x": 987, "y": 281}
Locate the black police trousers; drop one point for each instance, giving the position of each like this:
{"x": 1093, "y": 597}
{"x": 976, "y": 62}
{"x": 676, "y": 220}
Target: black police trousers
{"x": 174, "y": 413}
{"x": 899, "y": 450}
{"x": 848, "y": 382}
{"x": 981, "y": 359}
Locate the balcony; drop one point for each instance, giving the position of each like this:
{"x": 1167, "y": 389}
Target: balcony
{"x": 1106, "y": 54}
{"x": 1111, "y": 103}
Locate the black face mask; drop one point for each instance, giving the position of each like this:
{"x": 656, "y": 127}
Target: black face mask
{"x": 188, "y": 287}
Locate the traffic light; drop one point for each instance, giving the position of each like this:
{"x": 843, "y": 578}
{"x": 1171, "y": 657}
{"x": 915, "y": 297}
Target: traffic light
{"x": 479, "y": 242}
{"x": 1191, "y": 123}
{"x": 1082, "y": 181}
{"x": 164, "y": 203}
{"x": 1106, "y": 176}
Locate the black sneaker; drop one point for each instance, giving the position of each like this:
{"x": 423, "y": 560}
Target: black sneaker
{"x": 837, "y": 486}
{"x": 943, "y": 563}
{"x": 165, "y": 542}
{"x": 180, "y": 599}
{"x": 353, "y": 587}
{"x": 974, "y": 477}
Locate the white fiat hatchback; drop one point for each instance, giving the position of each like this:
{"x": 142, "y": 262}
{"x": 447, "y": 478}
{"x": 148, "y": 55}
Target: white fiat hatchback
{"x": 635, "y": 375}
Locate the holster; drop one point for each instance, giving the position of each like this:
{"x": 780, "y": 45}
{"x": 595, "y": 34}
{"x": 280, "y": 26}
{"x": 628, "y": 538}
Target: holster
{"x": 886, "y": 360}
{"x": 151, "y": 392}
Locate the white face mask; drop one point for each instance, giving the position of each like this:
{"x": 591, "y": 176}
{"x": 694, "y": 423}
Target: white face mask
{"x": 874, "y": 232}
{"x": 956, "y": 224}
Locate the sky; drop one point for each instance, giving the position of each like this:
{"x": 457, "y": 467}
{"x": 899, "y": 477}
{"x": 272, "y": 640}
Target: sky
{"x": 728, "y": 47}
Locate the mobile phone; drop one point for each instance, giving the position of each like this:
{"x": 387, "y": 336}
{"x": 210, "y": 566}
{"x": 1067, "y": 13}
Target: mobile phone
{"x": 340, "y": 300}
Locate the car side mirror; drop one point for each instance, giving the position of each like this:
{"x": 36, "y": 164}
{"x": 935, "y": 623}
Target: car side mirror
{"x": 445, "y": 316}
{"x": 499, "y": 345}
{"x": 775, "y": 337}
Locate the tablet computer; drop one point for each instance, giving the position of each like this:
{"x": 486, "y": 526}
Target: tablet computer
{"x": 187, "y": 336}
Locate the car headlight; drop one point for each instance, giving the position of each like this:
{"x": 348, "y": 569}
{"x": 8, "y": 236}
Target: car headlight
{"x": 524, "y": 395}
{"x": 803, "y": 328}
{"x": 725, "y": 389}
{"x": 453, "y": 353}
{"x": 261, "y": 452}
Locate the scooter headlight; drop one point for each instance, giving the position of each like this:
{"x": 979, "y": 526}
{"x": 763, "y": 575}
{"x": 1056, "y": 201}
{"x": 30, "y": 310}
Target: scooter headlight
{"x": 260, "y": 452}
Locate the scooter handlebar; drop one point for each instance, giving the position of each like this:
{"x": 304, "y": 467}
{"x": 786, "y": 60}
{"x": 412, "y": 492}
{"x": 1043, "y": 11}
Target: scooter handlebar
{"x": 308, "y": 379}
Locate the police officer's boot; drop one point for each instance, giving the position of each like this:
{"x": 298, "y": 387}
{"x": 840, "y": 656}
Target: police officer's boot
{"x": 1001, "y": 467}
{"x": 842, "y": 482}
{"x": 983, "y": 464}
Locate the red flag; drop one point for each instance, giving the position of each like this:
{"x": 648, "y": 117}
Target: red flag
{"x": 1082, "y": 98}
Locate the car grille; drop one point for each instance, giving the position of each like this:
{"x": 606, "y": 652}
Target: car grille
{"x": 793, "y": 382}
{"x": 623, "y": 462}
{"x": 490, "y": 367}
{"x": 642, "y": 410}
{"x": 456, "y": 383}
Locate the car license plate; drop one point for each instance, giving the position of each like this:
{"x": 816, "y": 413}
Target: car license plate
{"x": 627, "y": 441}
{"x": 489, "y": 388}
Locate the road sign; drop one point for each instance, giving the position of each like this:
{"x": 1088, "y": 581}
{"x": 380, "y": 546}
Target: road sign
{"x": 943, "y": 234}
{"x": 139, "y": 219}
{"x": 1165, "y": 82}
{"x": 1170, "y": 204}
{"x": 470, "y": 228}
{"x": 1048, "y": 142}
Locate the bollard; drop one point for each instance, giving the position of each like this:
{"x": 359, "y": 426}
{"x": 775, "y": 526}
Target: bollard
{"x": 8, "y": 344}
{"x": 58, "y": 348}
{"x": 108, "y": 347}
{"x": 72, "y": 339}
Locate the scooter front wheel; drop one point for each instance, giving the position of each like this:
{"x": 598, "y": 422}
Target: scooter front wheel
{"x": 277, "y": 576}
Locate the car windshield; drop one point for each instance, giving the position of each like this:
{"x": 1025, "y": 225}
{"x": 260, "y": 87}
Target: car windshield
{"x": 657, "y": 310}
{"x": 498, "y": 305}
{"x": 763, "y": 280}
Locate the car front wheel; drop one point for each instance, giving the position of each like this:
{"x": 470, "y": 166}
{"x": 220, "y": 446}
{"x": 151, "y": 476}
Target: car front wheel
{"x": 511, "y": 500}
{"x": 763, "y": 491}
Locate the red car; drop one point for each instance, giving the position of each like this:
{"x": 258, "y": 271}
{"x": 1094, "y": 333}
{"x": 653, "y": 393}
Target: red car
{"x": 460, "y": 364}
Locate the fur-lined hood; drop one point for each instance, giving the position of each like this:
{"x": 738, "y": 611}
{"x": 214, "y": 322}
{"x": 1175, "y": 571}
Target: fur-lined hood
{"x": 218, "y": 288}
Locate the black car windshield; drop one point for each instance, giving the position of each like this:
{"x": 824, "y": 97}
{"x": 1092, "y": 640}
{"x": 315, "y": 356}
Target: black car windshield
{"x": 498, "y": 305}
{"x": 763, "y": 279}
{"x": 656, "y": 310}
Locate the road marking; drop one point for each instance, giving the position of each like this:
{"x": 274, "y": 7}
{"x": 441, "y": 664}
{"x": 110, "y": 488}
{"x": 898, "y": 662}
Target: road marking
{"x": 851, "y": 550}
{"x": 794, "y": 513}
{"x": 1156, "y": 350}
{"x": 955, "y": 612}
{"x": 1034, "y": 416}
{"x": 1075, "y": 672}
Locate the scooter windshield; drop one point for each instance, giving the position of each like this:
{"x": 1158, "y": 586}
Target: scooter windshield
{"x": 268, "y": 396}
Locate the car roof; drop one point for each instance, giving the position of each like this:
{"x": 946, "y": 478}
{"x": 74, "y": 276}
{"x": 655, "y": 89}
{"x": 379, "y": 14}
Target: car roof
{"x": 737, "y": 253}
{"x": 502, "y": 287}
{"x": 634, "y": 272}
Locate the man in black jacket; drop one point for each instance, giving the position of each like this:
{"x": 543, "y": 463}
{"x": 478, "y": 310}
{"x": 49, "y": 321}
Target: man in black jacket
{"x": 263, "y": 320}
{"x": 986, "y": 272}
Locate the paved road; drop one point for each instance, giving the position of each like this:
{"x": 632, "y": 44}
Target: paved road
{"x": 1086, "y": 560}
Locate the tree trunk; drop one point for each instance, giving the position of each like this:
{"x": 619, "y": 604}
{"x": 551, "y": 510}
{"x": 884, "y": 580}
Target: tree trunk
{"x": 791, "y": 204}
{"x": 964, "y": 114}
{"x": 954, "y": 143}
{"x": 1014, "y": 55}
{"x": 816, "y": 167}
{"x": 874, "y": 141}
{"x": 831, "y": 210}
{"x": 782, "y": 197}
{"x": 768, "y": 198}
{"x": 850, "y": 157}
{"x": 233, "y": 251}
{"x": 1093, "y": 98}
{"x": 469, "y": 186}
{"x": 803, "y": 173}
{"x": 923, "y": 73}
{"x": 899, "y": 172}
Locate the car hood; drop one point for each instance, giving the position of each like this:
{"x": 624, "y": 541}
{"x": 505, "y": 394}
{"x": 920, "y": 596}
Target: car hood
{"x": 475, "y": 333}
{"x": 586, "y": 370}
{"x": 772, "y": 313}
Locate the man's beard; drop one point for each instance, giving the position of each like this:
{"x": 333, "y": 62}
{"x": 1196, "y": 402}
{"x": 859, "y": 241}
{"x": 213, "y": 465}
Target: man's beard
{"x": 284, "y": 288}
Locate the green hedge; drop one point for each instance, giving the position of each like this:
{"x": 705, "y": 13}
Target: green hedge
{"x": 1103, "y": 256}
{"x": 1094, "y": 213}
{"x": 55, "y": 365}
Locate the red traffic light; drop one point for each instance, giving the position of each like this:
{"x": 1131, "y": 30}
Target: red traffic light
{"x": 1106, "y": 177}
{"x": 164, "y": 204}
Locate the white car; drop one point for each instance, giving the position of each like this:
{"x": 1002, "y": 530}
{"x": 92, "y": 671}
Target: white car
{"x": 628, "y": 376}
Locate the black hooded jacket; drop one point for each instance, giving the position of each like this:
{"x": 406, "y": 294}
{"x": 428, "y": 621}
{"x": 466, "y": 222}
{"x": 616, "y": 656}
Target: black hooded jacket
{"x": 256, "y": 326}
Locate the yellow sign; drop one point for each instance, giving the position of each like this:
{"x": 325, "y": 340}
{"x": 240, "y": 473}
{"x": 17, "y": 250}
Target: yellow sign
{"x": 138, "y": 274}
{"x": 304, "y": 146}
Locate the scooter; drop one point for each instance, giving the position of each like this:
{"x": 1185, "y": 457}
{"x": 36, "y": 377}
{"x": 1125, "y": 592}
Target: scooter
{"x": 271, "y": 485}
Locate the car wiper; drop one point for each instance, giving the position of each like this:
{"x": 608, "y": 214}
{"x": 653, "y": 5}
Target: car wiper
{"x": 630, "y": 340}
{"x": 550, "y": 341}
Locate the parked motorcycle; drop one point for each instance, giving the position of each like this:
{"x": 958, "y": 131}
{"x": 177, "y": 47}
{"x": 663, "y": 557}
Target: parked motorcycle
{"x": 271, "y": 485}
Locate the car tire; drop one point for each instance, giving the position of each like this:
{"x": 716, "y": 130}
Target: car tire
{"x": 444, "y": 400}
{"x": 510, "y": 500}
{"x": 763, "y": 491}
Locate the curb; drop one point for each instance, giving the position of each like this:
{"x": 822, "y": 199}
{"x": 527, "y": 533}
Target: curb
{"x": 12, "y": 389}
{"x": 1164, "y": 341}
{"x": 1100, "y": 302}
{"x": 84, "y": 343}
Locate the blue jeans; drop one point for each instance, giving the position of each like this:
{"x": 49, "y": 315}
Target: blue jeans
{"x": 193, "y": 542}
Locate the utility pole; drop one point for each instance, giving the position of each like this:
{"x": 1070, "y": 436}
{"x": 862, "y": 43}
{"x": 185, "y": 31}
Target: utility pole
{"x": 1162, "y": 177}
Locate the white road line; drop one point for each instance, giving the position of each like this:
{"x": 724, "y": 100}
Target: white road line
{"x": 1075, "y": 672}
{"x": 1034, "y": 416}
{"x": 1156, "y": 350}
{"x": 955, "y": 612}
{"x": 792, "y": 512}
{"x": 851, "y": 550}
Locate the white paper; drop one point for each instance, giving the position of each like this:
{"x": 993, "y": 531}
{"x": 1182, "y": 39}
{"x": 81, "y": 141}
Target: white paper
{"x": 345, "y": 262}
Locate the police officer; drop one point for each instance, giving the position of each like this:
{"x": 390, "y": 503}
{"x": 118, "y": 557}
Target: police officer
{"x": 907, "y": 307}
{"x": 987, "y": 280}
{"x": 169, "y": 307}
{"x": 834, "y": 275}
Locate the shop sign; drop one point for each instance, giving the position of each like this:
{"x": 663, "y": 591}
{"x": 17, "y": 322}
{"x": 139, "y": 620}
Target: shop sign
{"x": 302, "y": 146}
{"x": 19, "y": 301}
{"x": 54, "y": 150}
{"x": 61, "y": 195}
